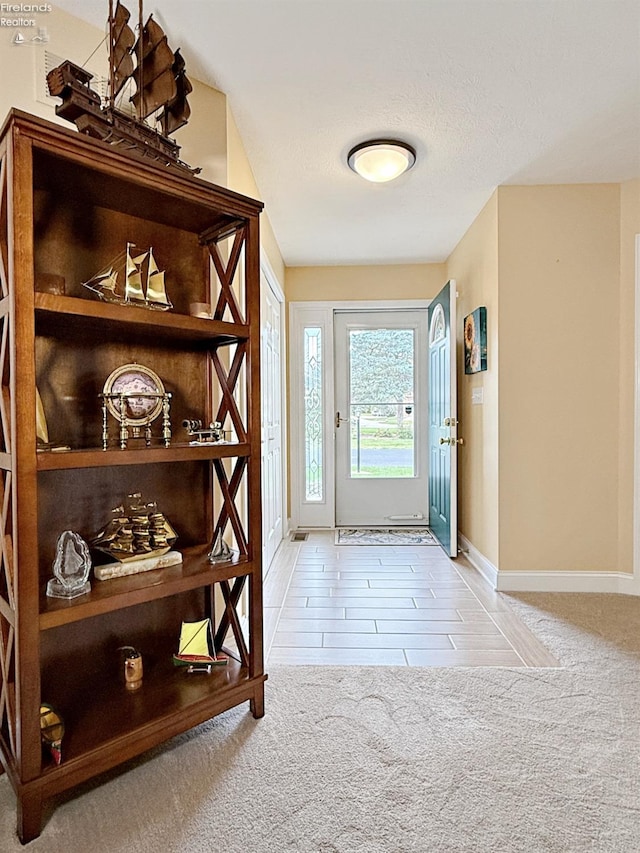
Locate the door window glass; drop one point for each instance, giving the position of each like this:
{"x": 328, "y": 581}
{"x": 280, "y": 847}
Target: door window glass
{"x": 381, "y": 402}
{"x": 314, "y": 483}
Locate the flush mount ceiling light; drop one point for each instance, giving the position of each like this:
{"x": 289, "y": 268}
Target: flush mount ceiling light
{"x": 381, "y": 160}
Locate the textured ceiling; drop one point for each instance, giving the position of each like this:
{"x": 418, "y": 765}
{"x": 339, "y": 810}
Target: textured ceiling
{"x": 488, "y": 92}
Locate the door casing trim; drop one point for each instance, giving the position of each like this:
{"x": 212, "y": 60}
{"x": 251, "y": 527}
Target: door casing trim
{"x": 320, "y": 514}
{"x": 277, "y": 290}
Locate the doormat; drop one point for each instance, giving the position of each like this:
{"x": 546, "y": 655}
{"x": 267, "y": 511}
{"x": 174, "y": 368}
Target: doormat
{"x": 384, "y": 536}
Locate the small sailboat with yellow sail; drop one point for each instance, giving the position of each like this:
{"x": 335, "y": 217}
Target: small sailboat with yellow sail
{"x": 196, "y": 648}
{"x": 133, "y": 278}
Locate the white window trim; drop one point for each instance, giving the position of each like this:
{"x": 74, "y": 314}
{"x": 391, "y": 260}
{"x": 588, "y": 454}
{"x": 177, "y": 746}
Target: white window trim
{"x": 320, "y": 514}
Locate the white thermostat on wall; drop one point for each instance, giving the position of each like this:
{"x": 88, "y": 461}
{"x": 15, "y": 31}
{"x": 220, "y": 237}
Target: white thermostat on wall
{"x": 477, "y": 396}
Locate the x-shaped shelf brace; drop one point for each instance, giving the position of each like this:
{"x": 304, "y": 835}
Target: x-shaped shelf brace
{"x": 7, "y": 695}
{"x": 231, "y": 594}
{"x": 6, "y": 544}
{"x": 7, "y": 615}
{"x": 4, "y": 229}
{"x": 228, "y": 514}
{"x": 228, "y": 510}
{"x": 226, "y": 271}
{"x": 228, "y": 382}
{"x": 7, "y": 605}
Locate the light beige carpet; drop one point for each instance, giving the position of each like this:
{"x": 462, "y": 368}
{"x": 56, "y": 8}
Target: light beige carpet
{"x": 366, "y": 760}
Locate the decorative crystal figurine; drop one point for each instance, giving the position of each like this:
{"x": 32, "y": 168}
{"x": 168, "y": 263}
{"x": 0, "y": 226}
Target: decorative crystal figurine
{"x": 220, "y": 551}
{"x": 71, "y": 567}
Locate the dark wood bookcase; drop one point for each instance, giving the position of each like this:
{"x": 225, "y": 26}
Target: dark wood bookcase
{"x": 68, "y": 204}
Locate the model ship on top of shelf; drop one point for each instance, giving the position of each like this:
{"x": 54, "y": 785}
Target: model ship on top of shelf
{"x": 137, "y": 531}
{"x": 143, "y": 284}
{"x": 161, "y": 86}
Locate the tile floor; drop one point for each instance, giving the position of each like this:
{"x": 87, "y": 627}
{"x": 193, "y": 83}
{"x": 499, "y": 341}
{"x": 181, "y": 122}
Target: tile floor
{"x": 388, "y": 605}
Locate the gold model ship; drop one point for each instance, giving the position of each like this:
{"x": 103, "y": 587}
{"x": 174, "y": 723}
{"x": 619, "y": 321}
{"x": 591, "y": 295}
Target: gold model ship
{"x": 138, "y": 538}
{"x": 133, "y": 278}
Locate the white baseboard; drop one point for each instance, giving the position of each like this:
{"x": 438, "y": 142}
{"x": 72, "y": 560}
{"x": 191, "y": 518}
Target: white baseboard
{"x": 561, "y": 581}
{"x": 616, "y": 582}
{"x": 478, "y": 560}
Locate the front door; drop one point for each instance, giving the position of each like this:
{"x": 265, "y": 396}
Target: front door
{"x": 380, "y": 418}
{"x": 443, "y": 440}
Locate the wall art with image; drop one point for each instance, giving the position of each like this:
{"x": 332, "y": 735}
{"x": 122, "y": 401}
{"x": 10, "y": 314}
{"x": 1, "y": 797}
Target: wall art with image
{"x": 475, "y": 341}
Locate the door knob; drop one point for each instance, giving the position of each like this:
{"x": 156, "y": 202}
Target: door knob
{"x": 340, "y": 420}
{"x": 452, "y": 441}
{"x": 445, "y": 441}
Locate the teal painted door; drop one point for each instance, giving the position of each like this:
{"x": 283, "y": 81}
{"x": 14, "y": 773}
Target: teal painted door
{"x": 443, "y": 443}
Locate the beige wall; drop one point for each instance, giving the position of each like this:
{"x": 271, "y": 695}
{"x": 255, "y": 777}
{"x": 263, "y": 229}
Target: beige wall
{"x": 397, "y": 281}
{"x": 474, "y": 266}
{"x": 203, "y": 140}
{"x": 559, "y": 363}
{"x": 241, "y": 179}
{"x": 629, "y": 227}
{"x": 546, "y": 473}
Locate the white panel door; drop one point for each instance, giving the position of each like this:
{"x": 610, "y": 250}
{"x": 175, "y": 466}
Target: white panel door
{"x": 381, "y": 418}
{"x": 270, "y": 369}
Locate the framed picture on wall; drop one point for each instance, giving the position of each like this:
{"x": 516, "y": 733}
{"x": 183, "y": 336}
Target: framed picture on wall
{"x": 475, "y": 341}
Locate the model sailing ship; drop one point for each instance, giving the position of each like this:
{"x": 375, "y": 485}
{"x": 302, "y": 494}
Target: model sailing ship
{"x": 136, "y": 531}
{"x": 161, "y": 85}
{"x": 143, "y": 283}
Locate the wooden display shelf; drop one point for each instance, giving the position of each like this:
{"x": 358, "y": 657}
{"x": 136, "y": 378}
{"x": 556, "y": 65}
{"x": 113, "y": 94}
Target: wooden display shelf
{"x": 97, "y": 458}
{"x": 114, "y": 725}
{"x": 64, "y": 158}
{"x": 89, "y": 314}
{"x": 194, "y": 572}
{"x": 68, "y": 202}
